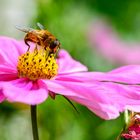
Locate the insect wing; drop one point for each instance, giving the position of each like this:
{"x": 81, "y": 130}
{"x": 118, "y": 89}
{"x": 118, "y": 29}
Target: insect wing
{"x": 41, "y": 27}
{"x": 24, "y": 29}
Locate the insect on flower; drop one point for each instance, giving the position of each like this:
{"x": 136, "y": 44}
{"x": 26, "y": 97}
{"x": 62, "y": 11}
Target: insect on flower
{"x": 39, "y": 63}
{"x": 132, "y": 131}
{"x": 41, "y": 37}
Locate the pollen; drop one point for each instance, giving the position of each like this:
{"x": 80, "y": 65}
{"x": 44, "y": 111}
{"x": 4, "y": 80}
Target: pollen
{"x": 37, "y": 65}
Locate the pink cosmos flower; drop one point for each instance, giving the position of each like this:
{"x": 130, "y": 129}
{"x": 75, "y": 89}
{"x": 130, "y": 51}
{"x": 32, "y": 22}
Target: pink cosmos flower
{"x": 105, "y": 94}
{"x": 113, "y": 48}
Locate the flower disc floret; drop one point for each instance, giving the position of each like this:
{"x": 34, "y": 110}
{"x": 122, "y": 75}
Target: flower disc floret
{"x": 37, "y": 65}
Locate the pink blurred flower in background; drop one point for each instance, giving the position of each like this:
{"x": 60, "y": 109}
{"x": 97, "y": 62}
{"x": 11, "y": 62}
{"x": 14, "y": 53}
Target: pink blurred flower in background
{"x": 105, "y": 94}
{"x": 113, "y": 48}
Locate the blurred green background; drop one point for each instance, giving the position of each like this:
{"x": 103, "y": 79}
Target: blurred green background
{"x": 69, "y": 21}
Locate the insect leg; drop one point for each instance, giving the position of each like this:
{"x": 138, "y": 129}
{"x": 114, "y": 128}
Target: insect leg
{"x": 26, "y": 42}
{"x": 35, "y": 47}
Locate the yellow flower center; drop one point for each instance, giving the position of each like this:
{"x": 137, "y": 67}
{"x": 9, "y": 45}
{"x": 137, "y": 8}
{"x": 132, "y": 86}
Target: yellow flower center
{"x": 37, "y": 65}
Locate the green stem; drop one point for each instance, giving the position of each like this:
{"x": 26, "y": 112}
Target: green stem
{"x": 34, "y": 122}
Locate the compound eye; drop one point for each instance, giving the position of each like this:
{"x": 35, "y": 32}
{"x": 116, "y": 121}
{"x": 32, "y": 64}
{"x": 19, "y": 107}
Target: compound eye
{"x": 54, "y": 44}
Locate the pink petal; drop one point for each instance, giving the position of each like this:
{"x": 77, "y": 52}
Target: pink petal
{"x": 5, "y": 69}
{"x": 24, "y": 91}
{"x": 108, "y": 99}
{"x": 10, "y": 49}
{"x": 82, "y": 76}
{"x": 132, "y": 98}
{"x": 67, "y": 64}
{"x": 100, "y": 98}
{"x": 104, "y": 111}
{"x": 7, "y": 77}
{"x": 57, "y": 86}
{"x": 7, "y": 73}
{"x": 128, "y": 74}
{"x": 2, "y": 97}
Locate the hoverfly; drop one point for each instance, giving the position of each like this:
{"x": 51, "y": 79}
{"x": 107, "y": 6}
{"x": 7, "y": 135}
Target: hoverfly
{"x": 41, "y": 37}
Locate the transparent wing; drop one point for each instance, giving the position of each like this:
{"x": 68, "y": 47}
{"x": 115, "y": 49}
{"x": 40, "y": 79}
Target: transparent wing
{"x": 40, "y": 26}
{"x": 24, "y": 29}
